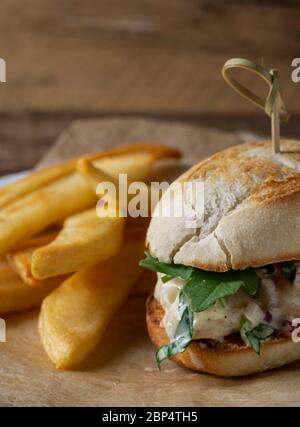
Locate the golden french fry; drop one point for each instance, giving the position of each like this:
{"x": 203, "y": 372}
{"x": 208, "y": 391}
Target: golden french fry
{"x": 96, "y": 175}
{"x": 37, "y": 210}
{"x": 93, "y": 173}
{"x": 35, "y": 180}
{"x": 74, "y": 317}
{"x": 15, "y": 295}
{"x": 157, "y": 151}
{"x": 64, "y": 197}
{"x": 20, "y": 259}
{"x": 38, "y": 179}
{"x": 85, "y": 240}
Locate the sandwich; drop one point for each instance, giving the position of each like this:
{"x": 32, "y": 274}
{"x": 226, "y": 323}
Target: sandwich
{"x": 227, "y": 297}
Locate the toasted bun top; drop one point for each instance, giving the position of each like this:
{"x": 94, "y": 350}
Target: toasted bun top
{"x": 251, "y": 210}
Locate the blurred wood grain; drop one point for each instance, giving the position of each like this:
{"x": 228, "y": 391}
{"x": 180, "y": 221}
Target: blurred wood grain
{"x": 69, "y": 59}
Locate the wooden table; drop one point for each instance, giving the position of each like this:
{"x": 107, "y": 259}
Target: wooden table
{"x": 161, "y": 58}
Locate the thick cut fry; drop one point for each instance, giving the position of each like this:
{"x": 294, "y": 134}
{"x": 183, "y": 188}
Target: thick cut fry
{"x": 93, "y": 173}
{"x": 64, "y": 197}
{"x": 37, "y": 210}
{"x": 157, "y": 151}
{"x": 84, "y": 241}
{"x": 74, "y": 317}
{"x": 96, "y": 175}
{"x": 37, "y": 179}
{"x": 20, "y": 259}
{"x": 15, "y": 295}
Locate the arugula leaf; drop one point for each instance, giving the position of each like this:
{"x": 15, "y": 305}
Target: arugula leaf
{"x": 171, "y": 270}
{"x": 254, "y": 336}
{"x": 203, "y": 290}
{"x": 289, "y": 269}
{"x": 250, "y": 280}
{"x": 183, "y": 334}
{"x": 166, "y": 278}
{"x": 222, "y": 302}
{"x": 201, "y": 294}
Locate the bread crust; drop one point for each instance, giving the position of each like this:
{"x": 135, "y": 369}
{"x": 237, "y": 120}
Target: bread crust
{"x": 231, "y": 360}
{"x": 251, "y": 211}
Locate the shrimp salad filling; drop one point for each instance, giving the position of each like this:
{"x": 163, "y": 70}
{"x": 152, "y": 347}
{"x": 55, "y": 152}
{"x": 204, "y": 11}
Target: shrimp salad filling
{"x": 254, "y": 305}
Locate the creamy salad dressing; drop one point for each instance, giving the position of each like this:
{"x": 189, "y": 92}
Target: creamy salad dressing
{"x": 278, "y": 298}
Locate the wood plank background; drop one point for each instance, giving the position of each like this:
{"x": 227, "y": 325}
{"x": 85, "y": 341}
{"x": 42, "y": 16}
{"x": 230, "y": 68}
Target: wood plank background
{"x": 160, "y": 58}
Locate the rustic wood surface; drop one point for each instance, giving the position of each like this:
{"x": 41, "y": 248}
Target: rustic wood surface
{"x": 25, "y": 138}
{"x": 69, "y": 60}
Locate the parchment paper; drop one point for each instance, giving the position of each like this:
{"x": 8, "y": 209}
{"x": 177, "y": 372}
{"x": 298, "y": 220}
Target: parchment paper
{"x": 121, "y": 371}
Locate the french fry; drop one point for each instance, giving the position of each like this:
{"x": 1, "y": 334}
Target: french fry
{"x": 74, "y": 316}
{"x": 84, "y": 241}
{"x": 93, "y": 173}
{"x": 40, "y": 178}
{"x": 96, "y": 175}
{"x": 64, "y": 197}
{"x": 15, "y": 295}
{"x": 37, "y": 210}
{"x": 157, "y": 151}
{"x": 35, "y": 180}
{"x": 20, "y": 259}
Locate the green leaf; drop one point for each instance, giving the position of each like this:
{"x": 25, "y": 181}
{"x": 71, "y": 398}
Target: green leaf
{"x": 201, "y": 288}
{"x": 254, "y": 336}
{"x": 249, "y": 278}
{"x": 201, "y": 294}
{"x": 204, "y": 289}
{"x": 289, "y": 269}
{"x": 171, "y": 270}
{"x": 254, "y": 342}
{"x": 222, "y": 302}
{"x": 166, "y": 278}
{"x": 183, "y": 334}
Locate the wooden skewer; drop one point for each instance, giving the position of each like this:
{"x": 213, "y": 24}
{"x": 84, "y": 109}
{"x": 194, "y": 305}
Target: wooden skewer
{"x": 275, "y": 126}
{"x": 273, "y": 105}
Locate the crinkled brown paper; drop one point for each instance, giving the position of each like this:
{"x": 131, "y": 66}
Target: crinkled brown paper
{"x": 122, "y": 370}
